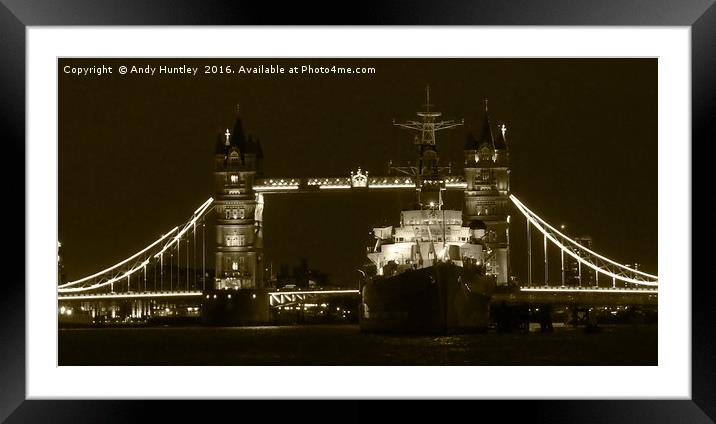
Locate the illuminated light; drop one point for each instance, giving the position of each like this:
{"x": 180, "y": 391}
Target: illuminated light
{"x": 229, "y": 296}
{"x": 105, "y": 283}
{"x": 214, "y": 296}
{"x": 253, "y": 296}
{"x": 391, "y": 185}
{"x": 316, "y": 292}
{"x": 166, "y": 310}
{"x": 72, "y": 283}
{"x": 269, "y": 188}
{"x": 534, "y": 218}
{"x": 207, "y": 296}
{"x": 197, "y": 214}
{"x": 128, "y": 296}
{"x": 62, "y": 310}
{"x": 69, "y": 312}
{"x": 342, "y": 186}
{"x": 588, "y": 290}
{"x": 204, "y": 205}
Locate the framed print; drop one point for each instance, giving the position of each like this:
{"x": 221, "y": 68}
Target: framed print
{"x": 484, "y": 211}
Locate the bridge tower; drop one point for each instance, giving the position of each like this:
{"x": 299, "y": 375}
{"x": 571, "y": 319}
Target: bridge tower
{"x": 239, "y": 238}
{"x": 487, "y": 173}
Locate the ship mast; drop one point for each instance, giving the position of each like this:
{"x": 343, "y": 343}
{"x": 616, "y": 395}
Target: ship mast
{"x": 426, "y": 169}
{"x": 427, "y": 125}
{"x": 443, "y": 224}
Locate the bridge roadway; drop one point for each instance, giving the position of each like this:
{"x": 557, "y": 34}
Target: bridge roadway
{"x": 538, "y": 295}
{"x": 276, "y": 297}
{"x": 333, "y": 184}
{"x": 583, "y": 296}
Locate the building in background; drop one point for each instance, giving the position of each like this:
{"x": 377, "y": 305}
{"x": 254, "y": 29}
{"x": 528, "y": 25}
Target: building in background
{"x": 574, "y": 273}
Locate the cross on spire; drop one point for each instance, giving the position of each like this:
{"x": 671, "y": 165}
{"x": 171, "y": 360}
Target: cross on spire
{"x": 227, "y": 134}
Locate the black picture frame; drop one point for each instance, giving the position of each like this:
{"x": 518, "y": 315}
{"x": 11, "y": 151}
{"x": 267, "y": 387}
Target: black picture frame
{"x": 16, "y": 15}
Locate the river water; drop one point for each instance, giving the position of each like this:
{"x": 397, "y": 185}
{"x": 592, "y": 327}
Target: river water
{"x": 344, "y": 344}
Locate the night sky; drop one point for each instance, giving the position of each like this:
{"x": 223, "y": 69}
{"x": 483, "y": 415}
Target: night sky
{"x": 136, "y": 152}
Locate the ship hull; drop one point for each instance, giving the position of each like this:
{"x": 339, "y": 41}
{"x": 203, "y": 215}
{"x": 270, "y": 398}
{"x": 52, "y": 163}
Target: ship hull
{"x": 440, "y": 299}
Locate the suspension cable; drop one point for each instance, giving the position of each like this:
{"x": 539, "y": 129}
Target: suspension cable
{"x": 537, "y": 222}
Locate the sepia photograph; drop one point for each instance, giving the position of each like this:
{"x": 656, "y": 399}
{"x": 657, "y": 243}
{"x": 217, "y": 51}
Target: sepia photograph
{"x": 236, "y": 201}
{"x": 357, "y": 211}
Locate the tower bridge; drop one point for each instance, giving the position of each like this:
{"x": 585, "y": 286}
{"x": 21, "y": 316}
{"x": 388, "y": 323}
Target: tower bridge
{"x": 174, "y": 266}
{"x": 357, "y": 180}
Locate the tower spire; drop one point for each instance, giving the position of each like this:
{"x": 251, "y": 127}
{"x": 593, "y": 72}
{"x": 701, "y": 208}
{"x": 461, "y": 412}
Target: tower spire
{"x": 486, "y": 135}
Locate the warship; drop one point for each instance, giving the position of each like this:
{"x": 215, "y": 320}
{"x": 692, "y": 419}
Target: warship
{"x": 434, "y": 272}
{"x": 425, "y": 283}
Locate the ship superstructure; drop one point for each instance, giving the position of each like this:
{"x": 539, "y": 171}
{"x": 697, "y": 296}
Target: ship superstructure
{"x": 427, "y": 233}
{"x": 429, "y": 269}
{"x": 424, "y": 238}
